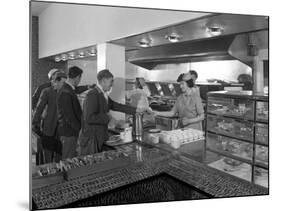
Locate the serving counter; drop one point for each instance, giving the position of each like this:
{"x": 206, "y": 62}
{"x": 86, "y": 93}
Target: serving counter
{"x": 145, "y": 161}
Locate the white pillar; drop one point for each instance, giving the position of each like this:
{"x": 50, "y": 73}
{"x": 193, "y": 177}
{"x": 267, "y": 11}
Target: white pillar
{"x": 112, "y": 57}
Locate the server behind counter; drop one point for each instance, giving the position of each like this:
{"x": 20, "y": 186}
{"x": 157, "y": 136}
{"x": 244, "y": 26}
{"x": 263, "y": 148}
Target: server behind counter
{"x": 188, "y": 106}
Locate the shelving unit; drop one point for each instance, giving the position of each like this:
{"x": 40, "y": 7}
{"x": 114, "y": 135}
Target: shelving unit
{"x": 237, "y": 134}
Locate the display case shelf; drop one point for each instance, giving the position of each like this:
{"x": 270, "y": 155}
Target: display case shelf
{"x": 261, "y": 144}
{"x": 261, "y": 165}
{"x": 235, "y": 157}
{"x": 233, "y": 117}
{"x": 237, "y": 134}
{"x": 228, "y": 136}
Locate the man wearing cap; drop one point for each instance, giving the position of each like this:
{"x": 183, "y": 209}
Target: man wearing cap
{"x": 46, "y": 126}
{"x": 38, "y": 91}
{"x": 69, "y": 113}
{"x": 51, "y": 73}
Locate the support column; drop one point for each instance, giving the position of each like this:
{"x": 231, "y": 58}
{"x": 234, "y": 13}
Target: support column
{"x": 112, "y": 57}
{"x": 258, "y": 75}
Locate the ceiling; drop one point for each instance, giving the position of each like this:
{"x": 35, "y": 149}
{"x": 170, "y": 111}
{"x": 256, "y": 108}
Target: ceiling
{"x": 197, "y": 29}
{"x": 38, "y": 7}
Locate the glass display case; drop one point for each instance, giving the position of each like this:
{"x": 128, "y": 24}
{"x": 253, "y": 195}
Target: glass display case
{"x": 237, "y": 134}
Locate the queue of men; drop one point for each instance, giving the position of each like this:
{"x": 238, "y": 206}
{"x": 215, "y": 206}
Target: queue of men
{"x": 60, "y": 122}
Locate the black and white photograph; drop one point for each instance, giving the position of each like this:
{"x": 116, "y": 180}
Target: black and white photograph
{"x": 138, "y": 105}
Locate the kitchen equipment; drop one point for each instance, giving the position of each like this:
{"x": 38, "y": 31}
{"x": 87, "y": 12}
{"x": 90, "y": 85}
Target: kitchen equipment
{"x": 138, "y": 126}
{"x": 127, "y": 135}
{"x": 166, "y": 123}
{"x": 153, "y": 135}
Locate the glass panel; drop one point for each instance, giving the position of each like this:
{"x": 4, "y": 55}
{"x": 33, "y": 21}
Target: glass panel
{"x": 229, "y": 166}
{"x": 159, "y": 89}
{"x": 152, "y": 88}
{"x": 231, "y": 107}
{"x": 172, "y": 89}
{"x": 230, "y": 146}
{"x": 166, "y": 90}
{"x": 262, "y": 155}
{"x": 261, "y": 176}
{"x": 230, "y": 127}
{"x": 262, "y": 111}
{"x": 262, "y": 133}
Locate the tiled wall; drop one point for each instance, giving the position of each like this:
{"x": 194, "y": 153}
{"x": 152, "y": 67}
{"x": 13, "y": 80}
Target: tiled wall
{"x": 40, "y": 67}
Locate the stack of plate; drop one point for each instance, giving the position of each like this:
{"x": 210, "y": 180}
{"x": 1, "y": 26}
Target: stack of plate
{"x": 114, "y": 140}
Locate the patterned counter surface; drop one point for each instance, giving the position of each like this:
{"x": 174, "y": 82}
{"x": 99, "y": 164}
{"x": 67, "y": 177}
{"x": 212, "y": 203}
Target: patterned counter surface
{"x": 147, "y": 161}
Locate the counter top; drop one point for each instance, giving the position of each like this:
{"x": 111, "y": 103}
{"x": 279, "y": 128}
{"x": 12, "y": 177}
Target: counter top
{"x": 147, "y": 161}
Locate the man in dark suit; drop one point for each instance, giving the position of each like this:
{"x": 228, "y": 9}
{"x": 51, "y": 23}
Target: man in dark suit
{"x": 46, "y": 125}
{"x": 96, "y": 115}
{"x": 69, "y": 113}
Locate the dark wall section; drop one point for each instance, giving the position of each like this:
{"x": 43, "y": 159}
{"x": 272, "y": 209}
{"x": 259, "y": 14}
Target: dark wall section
{"x": 40, "y": 67}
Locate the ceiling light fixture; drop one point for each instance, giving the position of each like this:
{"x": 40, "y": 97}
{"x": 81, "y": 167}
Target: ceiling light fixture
{"x": 63, "y": 57}
{"x": 81, "y": 54}
{"x": 173, "y": 37}
{"x": 215, "y": 30}
{"x": 57, "y": 59}
{"x": 92, "y": 52}
{"x": 145, "y": 42}
{"x": 71, "y": 55}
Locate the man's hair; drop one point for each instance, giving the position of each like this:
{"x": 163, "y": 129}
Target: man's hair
{"x": 74, "y": 71}
{"x": 104, "y": 74}
{"x": 180, "y": 77}
{"x": 193, "y": 72}
{"x": 190, "y": 83}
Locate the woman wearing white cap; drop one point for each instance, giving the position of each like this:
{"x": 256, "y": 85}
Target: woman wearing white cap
{"x": 188, "y": 106}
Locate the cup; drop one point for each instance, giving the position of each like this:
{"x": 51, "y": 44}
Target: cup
{"x": 122, "y": 135}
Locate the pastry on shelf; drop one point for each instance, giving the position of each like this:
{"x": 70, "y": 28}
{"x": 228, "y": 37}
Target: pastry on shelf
{"x": 225, "y": 126}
